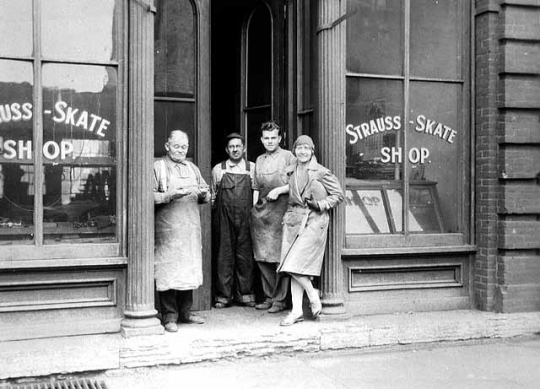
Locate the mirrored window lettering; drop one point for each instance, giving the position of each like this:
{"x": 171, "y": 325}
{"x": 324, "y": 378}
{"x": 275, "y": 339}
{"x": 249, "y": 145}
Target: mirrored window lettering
{"x": 406, "y": 117}
{"x": 79, "y": 136}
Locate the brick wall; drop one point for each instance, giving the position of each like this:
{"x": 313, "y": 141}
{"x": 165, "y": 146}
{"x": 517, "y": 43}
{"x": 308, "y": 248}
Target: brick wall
{"x": 508, "y": 111}
{"x": 487, "y": 150}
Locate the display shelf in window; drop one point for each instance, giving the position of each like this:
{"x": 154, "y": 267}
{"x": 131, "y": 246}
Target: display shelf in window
{"x": 376, "y": 207}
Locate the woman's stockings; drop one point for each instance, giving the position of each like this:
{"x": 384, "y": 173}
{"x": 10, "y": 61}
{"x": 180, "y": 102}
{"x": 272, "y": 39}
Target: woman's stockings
{"x": 297, "y": 294}
{"x": 299, "y": 283}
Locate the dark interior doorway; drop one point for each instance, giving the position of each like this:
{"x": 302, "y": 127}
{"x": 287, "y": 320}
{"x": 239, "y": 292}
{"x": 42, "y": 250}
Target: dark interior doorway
{"x": 241, "y": 83}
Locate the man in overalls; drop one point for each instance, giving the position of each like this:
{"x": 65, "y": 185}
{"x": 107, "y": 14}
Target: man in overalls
{"x": 270, "y": 204}
{"x": 232, "y": 199}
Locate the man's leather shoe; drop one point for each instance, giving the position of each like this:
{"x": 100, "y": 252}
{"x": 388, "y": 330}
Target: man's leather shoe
{"x": 220, "y": 305}
{"x": 171, "y": 327}
{"x": 291, "y": 319}
{"x": 193, "y": 319}
{"x": 275, "y": 308}
{"x": 263, "y": 306}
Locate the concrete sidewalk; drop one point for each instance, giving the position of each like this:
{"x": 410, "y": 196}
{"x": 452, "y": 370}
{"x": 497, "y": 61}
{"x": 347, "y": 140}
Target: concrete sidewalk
{"x": 489, "y": 364}
{"x": 239, "y": 332}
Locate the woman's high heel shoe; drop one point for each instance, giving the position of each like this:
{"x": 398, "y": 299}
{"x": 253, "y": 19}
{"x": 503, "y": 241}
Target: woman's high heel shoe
{"x": 316, "y": 309}
{"x": 291, "y": 319}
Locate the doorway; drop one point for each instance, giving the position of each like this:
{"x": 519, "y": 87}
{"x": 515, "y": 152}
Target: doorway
{"x": 219, "y": 68}
{"x": 248, "y": 55}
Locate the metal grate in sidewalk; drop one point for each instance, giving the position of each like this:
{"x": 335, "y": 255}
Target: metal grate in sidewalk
{"x": 64, "y": 384}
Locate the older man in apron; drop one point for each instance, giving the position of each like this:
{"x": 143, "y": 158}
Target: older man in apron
{"x": 270, "y": 204}
{"x": 178, "y": 190}
{"x": 232, "y": 194}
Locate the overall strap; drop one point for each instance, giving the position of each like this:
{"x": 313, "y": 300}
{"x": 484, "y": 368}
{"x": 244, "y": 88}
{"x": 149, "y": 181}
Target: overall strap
{"x": 163, "y": 175}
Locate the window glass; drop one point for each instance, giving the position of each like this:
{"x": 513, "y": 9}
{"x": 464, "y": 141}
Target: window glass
{"x": 422, "y": 214}
{"x": 78, "y": 29}
{"x": 16, "y": 28}
{"x": 437, "y": 134}
{"x": 406, "y": 171}
{"x": 169, "y": 116}
{"x": 366, "y": 213}
{"x": 374, "y": 139}
{"x": 375, "y": 37}
{"x": 259, "y": 65}
{"x": 436, "y": 38}
{"x": 16, "y": 137}
{"x": 174, "y": 54}
{"x": 374, "y": 129}
{"x": 79, "y": 153}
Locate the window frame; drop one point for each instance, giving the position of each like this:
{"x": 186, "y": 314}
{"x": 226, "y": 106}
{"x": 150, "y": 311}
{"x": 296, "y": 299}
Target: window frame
{"x": 194, "y": 152}
{"x": 38, "y": 253}
{"x": 358, "y": 244}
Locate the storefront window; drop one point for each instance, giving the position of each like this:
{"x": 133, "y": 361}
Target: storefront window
{"x": 16, "y": 136}
{"x": 407, "y": 119}
{"x": 59, "y": 126}
{"x": 79, "y": 149}
{"x": 16, "y": 28}
{"x": 67, "y": 24}
{"x": 175, "y": 72}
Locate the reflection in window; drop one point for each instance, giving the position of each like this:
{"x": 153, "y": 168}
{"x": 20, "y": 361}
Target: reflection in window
{"x": 16, "y": 169}
{"x": 436, "y": 47}
{"x": 374, "y": 110}
{"x": 78, "y": 29}
{"x": 366, "y": 212}
{"x": 79, "y": 137}
{"x": 174, "y": 72}
{"x": 174, "y": 45}
{"x": 405, "y": 132}
{"x": 380, "y": 25}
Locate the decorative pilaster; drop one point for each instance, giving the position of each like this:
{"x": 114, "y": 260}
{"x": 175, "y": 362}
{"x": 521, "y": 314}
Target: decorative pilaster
{"x": 331, "y": 135}
{"x": 140, "y": 314}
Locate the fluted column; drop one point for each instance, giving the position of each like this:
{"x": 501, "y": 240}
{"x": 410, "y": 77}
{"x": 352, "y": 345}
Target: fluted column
{"x": 331, "y": 135}
{"x": 140, "y": 314}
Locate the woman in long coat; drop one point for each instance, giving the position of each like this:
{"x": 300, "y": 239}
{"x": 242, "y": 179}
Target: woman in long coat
{"x": 313, "y": 190}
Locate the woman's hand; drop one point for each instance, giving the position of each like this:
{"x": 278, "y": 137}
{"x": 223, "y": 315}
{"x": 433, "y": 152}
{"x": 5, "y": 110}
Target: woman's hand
{"x": 313, "y": 204}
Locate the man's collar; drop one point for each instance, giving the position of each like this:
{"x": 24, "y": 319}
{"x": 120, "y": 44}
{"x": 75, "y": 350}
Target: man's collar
{"x": 274, "y": 153}
{"x": 231, "y": 163}
{"x": 183, "y": 163}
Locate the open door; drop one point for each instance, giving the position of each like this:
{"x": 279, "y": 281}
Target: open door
{"x": 248, "y": 71}
{"x": 182, "y": 97}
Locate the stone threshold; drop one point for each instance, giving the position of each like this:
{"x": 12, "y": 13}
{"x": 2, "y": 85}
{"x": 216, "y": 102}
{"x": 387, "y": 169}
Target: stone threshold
{"x": 242, "y": 332}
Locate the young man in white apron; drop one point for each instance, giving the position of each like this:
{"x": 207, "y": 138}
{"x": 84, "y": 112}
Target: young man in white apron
{"x": 269, "y": 206}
